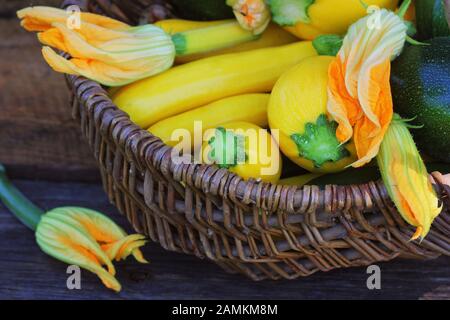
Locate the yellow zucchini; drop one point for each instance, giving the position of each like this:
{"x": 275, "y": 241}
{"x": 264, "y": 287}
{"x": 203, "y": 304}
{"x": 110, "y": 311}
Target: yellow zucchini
{"x": 273, "y": 36}
{"x": 298, "y": 109}
{"x": 247, "y": 107}
{"x": 173, "y": 26}
{"x": 245, "y": 149}
{"x": 197, "y": 83}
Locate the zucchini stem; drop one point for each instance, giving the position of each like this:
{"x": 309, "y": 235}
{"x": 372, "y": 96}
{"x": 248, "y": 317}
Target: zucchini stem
{"x": 211, "y": 38}
{"x": 17, "y": 203}
{"x": 227, "y": 148}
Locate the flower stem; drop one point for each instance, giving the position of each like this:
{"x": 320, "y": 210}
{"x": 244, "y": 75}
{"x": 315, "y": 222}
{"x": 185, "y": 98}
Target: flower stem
{"x": 211, "y": 38}
{"x": 19, "y": 205}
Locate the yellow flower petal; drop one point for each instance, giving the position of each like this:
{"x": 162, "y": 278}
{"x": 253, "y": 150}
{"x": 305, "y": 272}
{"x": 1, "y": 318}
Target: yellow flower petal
{"x": 359, "y": 94}
{"x": 122, "y": 248}
{"x": 369, "y": 134}
{"x": 53, "y": 38}
{"x": 72, "y": 234}
{"x": 137, "y": 254}
{"x": 113, "y": 239}
{"x": 91, "y": 69}
{"x": 88, "y": 239}
{"x": 252, "y": 15}
{"x": 342, "y": 107}
{"x": 112, "y": 54}
{"x": 68, "y": 244}
{"x": 40, "y": 18}
{"x": 406, "y": 178}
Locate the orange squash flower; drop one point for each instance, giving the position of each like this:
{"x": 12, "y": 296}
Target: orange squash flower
{"x": 359, "y": 93}
{"x": 88, "y": 239}
{"x": 252, "y": 15}
{"x": 74, "y": 235}
{"x": 360, "y": 101}
{"x": 406, "y": 179}
{"x": 103, "y": 49}
{"x": 41, "y": 18}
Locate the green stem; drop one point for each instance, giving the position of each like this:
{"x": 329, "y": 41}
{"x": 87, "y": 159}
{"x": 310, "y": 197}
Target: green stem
{"x": 228, "y": 149}
{"x": 211, "y": 38}
{"x": 20, "y": 206}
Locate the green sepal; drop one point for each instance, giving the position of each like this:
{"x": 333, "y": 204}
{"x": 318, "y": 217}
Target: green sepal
{"x": 415, "y": 42}
{"x": 328, "y": 44}
{"x": 227, "y": 148}
{"x": 412, "y": 30}
{"x": 403, "y": 8}
{"x": 319, "y": 143}
{"x": 290, "y": 12}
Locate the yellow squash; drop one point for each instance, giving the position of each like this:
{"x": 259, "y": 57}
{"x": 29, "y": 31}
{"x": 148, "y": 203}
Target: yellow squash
{"x": 297, "y": 108}
{"x": 308, "y": 19}
{"x": 273, "y": 36}
{"x": 245, "y": 149}
{"x": 246, "y": 107}
{"x": 197, "y": 83}
{"x": 173, "y": 26}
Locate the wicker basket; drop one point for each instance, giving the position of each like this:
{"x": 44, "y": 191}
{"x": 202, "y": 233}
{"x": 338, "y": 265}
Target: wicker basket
{"x": 258, "y": 229}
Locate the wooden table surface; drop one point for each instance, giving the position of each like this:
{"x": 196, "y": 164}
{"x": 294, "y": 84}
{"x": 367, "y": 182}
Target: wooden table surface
{"x": 26, "y": 272}
{"x": 43, "y": 151}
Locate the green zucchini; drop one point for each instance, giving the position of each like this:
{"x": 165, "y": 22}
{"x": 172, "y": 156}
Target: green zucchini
{"x": 420, "y": 81}
{"x": 431, "y": 20}
{"x": 202, "y": 9}
{"x": 366, "y": 174}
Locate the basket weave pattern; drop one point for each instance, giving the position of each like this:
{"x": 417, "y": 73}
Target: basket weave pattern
{"x": 258, "y": 229}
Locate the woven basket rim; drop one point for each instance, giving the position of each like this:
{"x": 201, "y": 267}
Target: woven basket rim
{"x": 146, "y": 150}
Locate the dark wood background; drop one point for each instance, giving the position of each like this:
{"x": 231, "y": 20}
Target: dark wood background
{"x": 45, "y": 155}
{"x": 37, "y": 137}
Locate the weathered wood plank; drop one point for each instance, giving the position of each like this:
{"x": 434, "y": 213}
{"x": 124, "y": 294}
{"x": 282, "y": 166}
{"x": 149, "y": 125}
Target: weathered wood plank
{"x": 38, "y": 137}
{"x": 9, "y": 7}
{"x": 26, "y": 272}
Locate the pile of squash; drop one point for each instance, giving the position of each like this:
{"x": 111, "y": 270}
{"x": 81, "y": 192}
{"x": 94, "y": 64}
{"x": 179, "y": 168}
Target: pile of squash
{"x": 279, "y": 84}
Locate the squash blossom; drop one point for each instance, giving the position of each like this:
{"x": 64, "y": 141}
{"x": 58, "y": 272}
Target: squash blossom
{"x": 252, "y": 15}
{"x": 406, "y": 179}
{"x": 359, "y": 92}
{"x": 114, "y": 53}
{"x": 74, "y": 235}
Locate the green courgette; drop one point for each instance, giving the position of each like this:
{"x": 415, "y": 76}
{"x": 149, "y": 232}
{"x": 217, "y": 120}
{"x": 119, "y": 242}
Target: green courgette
{"x": 366, "y": 174}
{"x": 420, "y": 81}
{"x": 430, "y": 19}
{"x": 202, "y": 9}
